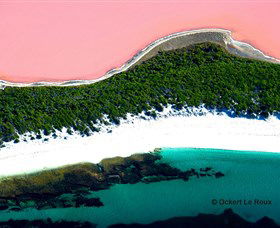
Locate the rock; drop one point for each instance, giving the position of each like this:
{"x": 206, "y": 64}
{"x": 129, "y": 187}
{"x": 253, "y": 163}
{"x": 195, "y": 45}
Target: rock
{"x": 93, "y": 202}
{"x": 88, "y": 202}
{"x": 219, "y": 174}
{"x": 207, "y": 169}
{"x": 15, "y": 209}
{"x": 3, "y": 207}
{"x": 114, "y": 179}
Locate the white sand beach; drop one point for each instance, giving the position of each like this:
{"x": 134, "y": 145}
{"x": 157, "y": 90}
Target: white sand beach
{"x": 201, "y": 129}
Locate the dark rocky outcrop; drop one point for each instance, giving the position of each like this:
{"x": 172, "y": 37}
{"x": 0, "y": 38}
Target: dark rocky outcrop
{"x": 44, "y": 224}
{"x": 74, "y": 186}
{"x": 227, "y": 219}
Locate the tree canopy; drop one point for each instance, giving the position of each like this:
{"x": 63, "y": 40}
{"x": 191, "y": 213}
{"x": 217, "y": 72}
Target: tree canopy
{"x": 200, "y": 74}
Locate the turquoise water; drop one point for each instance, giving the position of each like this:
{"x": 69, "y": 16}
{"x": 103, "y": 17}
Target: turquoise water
{"x": 248, "y": 176}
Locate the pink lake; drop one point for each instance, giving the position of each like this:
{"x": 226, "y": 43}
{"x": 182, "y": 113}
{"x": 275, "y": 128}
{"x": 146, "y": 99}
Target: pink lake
{"x": 65, "y": 40}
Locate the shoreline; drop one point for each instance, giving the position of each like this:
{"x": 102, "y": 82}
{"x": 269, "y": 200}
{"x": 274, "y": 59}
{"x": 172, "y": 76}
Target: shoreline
{"x": 198, "y": 129}
{"x": 233, "y": 46}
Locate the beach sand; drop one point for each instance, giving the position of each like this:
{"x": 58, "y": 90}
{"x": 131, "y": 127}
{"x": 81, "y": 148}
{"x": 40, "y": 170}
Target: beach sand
{"x": 201, "y": 129}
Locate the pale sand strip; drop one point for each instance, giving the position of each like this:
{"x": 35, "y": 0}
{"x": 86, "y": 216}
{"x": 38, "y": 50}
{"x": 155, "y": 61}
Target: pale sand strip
{"x": 206, "y": 131}
{"x": 170, "y": 42}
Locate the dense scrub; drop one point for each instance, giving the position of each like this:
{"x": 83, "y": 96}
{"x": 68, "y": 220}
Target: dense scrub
{"x": 200, "y": 74}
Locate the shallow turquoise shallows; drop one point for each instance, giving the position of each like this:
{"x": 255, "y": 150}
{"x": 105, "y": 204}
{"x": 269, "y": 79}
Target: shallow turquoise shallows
{"x": 248, "y": 176}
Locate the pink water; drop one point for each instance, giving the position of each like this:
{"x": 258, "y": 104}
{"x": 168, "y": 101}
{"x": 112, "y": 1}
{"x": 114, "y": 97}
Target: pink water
{"x": 62, "y": 40}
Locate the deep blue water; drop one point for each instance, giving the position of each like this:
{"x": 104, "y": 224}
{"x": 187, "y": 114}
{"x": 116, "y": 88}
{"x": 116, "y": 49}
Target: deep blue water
{"x": 248, "y": 176}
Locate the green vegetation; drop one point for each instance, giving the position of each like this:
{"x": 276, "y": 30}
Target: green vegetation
{"x": 45, "y": 182}
{"x": 110, "y": 164}
{"x": 200, "y": 74}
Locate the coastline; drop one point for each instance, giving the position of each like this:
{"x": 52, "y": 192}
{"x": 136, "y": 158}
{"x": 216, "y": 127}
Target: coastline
{"x": 196, "y": 128}
{"x": 169, "y": 42}
{"x": 241, "y": 180}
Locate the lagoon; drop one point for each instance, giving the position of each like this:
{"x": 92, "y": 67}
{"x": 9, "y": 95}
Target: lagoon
{"x": 249, "y": 175}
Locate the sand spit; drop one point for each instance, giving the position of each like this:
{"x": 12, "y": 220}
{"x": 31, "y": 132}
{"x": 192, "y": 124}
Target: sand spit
{"x": 170, "y": 42}
{"x": 197, "y": 128}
